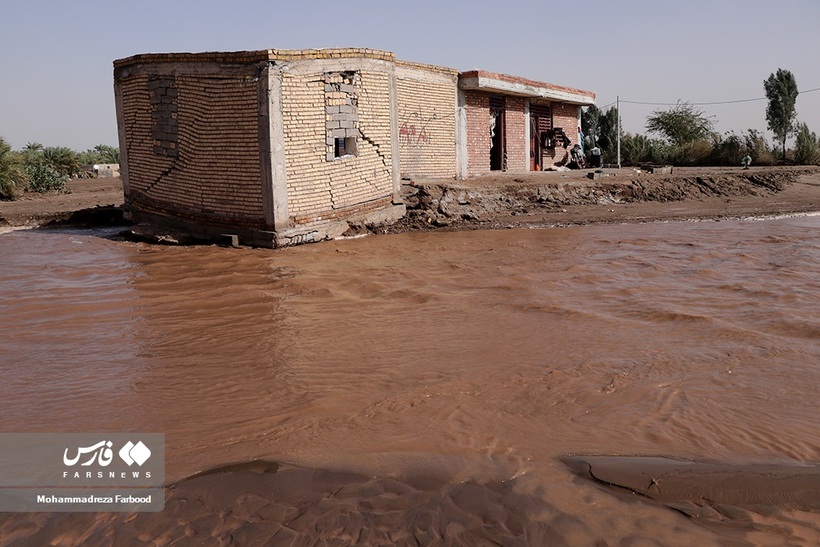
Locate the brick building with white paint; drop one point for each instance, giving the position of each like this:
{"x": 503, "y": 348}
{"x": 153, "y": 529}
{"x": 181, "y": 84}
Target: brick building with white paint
{"x": 281, "y": 147}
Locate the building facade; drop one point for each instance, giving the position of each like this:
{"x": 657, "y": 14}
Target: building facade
{"x": 280, "y": 147}
{"x": 513, "y": 124}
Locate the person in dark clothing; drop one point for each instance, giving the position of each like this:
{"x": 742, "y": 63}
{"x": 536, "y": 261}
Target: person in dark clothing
{"x": 597, "y": 158}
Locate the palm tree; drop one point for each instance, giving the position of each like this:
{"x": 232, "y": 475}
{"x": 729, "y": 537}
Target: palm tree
{"x": 63, "y": 159}
{"x": 108, "y": 154}
{"x": 33, "y": 147}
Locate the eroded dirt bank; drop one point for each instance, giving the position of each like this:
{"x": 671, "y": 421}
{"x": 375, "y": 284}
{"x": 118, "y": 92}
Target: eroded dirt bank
{"x": 88, "y": 202}
{"x": 508, "y": 200}
{"x": 513, "y": 200}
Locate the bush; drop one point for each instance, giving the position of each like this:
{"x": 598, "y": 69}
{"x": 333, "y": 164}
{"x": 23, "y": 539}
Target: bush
{"x": 635, "y": 149}
{"x": 692, "y": 153}
{"x": 728, "y": 151}
{"x": 758, "y": 148}
{"x": 42, "y": 178}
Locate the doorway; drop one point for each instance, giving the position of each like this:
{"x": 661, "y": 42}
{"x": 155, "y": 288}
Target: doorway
{"x": 498, "y": 145}
{"x": 540, "y": 125}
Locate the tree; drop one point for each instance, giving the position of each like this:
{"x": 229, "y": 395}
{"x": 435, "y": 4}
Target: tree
{"x": 781, "y": 90}
{"x": 33, "y": 148}
{"x": 591, "y": 125}
{"x": 806, "y": 147}
{"x": 680, "y": 124}
{"x": 601, "y": 128}
{"x": 108, "y": 154}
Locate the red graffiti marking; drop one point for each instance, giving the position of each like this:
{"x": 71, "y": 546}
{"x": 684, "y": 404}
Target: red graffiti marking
{"x": 413, "y": 129}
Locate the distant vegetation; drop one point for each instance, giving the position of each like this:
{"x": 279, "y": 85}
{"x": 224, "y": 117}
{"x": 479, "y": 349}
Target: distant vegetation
{"x": 38, "y": 168}
{"x": 684, "y": 135}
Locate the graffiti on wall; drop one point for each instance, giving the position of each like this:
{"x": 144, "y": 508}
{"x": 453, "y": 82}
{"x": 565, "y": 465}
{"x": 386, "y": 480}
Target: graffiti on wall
{"x": 413, "y": 129}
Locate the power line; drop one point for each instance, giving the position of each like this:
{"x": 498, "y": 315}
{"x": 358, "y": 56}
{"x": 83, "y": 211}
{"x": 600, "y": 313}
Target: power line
{"x": 703, "y": 103}
{"x": 697, "y": 104}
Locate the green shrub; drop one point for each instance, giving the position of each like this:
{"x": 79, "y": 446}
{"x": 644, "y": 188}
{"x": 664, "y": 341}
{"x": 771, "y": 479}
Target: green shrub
{"x": 42, "y": 177}
{"x": 635, "y": 149}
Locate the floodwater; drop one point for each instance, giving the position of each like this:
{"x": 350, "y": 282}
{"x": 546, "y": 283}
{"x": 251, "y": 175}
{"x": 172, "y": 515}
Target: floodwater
{"x": 475, "y": 358}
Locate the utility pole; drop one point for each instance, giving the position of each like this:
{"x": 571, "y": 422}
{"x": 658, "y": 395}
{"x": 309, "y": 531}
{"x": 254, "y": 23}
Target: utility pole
{"x": 618, "y": 109}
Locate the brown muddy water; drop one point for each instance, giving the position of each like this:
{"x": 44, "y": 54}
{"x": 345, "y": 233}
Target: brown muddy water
{"x": 436, "y": 378}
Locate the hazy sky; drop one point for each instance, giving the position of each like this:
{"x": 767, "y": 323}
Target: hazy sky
{"x": 56, "y": 74}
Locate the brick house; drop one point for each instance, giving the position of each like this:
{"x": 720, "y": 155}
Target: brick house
{"x": 513, "y": 124}
{"x": 281, "y": 147}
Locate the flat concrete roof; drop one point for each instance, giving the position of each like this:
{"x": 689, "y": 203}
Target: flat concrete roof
{"x": 241, "y": 57}
{"x": 505, "y": 84}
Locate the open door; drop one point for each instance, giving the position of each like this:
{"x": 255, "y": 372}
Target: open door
{"x": 498, "y": 145}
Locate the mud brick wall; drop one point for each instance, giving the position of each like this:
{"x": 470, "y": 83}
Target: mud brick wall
{"x": 320, "y": 185}
{"x": 192, "y": 144}
{"x": 427, "y": 123}
{"x": 564, "y": 116}
{"x": 477, "y": 107}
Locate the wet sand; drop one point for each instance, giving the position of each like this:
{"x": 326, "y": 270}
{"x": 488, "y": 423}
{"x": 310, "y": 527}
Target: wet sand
{"x": 266, "y": 503}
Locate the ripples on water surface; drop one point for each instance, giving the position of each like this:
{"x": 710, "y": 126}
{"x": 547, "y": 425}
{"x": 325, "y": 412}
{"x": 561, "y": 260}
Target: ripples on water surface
{"x": 477, "y": 356}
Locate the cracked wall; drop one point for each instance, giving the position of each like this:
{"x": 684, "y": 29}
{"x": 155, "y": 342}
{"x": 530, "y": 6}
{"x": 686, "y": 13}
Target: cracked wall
{"x": 192, "y": 140}
{"x": 320, "y": 185}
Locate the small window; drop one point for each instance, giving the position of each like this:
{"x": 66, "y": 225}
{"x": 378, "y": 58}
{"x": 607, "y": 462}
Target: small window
{"x": 341, "y": 114}
{"x": 344, "y": 146}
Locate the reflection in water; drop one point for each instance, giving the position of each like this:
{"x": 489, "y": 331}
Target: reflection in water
{"x": 474, "y": 356}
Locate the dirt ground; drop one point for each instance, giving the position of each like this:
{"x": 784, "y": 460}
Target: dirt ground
{"x": 510, "y": 200}
{"x": 625, "y": 195}
{"x": 89, "y": 201}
